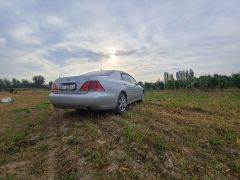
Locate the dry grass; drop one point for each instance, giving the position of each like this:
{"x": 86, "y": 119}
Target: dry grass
{"x": 180, "y": 135}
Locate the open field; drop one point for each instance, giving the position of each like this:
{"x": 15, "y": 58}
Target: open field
{"x": 180, "y": 135}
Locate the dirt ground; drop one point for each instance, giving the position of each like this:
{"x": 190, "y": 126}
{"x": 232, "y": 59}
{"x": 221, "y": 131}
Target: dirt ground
{"x": 172, "y": 135}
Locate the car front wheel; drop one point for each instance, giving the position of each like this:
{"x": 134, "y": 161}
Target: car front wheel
{"x": 142, "y": 98}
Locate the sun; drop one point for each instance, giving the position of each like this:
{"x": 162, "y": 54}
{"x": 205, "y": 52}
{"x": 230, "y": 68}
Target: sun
{"x": 112, "y": 55}
{"x": 112, "y": 51}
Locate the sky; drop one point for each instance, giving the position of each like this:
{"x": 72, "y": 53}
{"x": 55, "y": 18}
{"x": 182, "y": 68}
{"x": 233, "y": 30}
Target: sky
{"x": 142, "y": 37}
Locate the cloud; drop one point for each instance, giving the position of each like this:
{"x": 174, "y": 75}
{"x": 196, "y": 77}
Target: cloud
{"x": 125, "y": 53}
{"x": 61, "y": 55}
{"x": 25, "y": 34}
{"x": 144, "y": 38}
{"x": 2, "y": 41}
{"x": 54, "y": 20}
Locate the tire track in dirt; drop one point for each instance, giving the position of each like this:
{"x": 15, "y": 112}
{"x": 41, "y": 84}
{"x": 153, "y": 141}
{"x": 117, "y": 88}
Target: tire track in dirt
{"x": 55, "y": 130}
{"x": 63, "y": 162}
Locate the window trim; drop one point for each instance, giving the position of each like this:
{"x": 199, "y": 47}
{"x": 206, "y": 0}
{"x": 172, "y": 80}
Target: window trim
{"x": 133, "y": 79}
{"x": 129, "y": 76}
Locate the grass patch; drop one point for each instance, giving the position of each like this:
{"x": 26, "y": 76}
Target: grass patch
{"x": 193, "y": 130}
{"x": 3, "y": 161}
{"x": 18, "y": 138}
{"x": 134, "y": 133}
{"x": 15, "y": 143}
{"x": 92, "y": 132}
{"x": 129, "y": 134}
{"x": 228, "y": 134}
{"x": 43, "y": 136}
{"x": 71, "y": 176}
{"x": 10, "y": 176}
{"x": 158, "y": 144}
{"x": 43, "y": 148}
{"x": 197, "y": 131}
{"x": 71, "y": 136}
{"x": 11, "y": 149}
{"x": 42, "y": 106}
{"x": 95, "y": 157}
{"x": 235, "y": 166}
{"x": 11, "y": 140}
{"x": 26, "y": 110}
{"x": 70, "y": 140}
{"x": 215, "y": 141}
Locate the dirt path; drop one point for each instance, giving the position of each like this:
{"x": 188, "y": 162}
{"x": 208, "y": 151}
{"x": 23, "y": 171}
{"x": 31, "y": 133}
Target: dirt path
{"x": 55, "y": 130}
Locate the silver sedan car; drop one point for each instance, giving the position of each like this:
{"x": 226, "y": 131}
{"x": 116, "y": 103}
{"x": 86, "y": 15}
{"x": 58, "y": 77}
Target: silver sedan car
{"x": 99, "y": 90}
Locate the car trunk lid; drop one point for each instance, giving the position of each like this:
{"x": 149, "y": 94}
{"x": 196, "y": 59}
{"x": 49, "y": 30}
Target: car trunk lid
{"x": 71, "y": 85}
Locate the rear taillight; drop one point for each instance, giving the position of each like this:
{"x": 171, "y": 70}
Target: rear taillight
{"x": 54, "y": 87}
{"x": 92, "y": 86}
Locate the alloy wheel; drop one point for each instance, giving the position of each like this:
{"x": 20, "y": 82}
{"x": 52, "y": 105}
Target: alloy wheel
{"x": 122, "y": 103}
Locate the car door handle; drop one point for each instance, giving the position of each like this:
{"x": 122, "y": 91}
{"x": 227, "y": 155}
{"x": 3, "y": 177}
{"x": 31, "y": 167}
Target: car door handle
{"x": 124, "y": 84}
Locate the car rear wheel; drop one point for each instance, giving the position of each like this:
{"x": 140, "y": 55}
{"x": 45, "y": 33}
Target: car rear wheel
{"x": 121, "y": 103}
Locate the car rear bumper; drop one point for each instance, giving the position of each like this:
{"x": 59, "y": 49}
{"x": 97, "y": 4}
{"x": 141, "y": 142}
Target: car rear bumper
{"x": 94, "y": 100}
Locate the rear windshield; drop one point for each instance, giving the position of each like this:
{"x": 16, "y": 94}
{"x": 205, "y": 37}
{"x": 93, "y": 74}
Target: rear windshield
{"x": 99, "y": 73}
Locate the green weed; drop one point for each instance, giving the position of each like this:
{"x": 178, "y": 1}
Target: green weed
{"x": 43, "y": 147}
{"x": 43, "y": 106}
{"x": 71, "y": 141}
{"x": 235, "y": 166}
{"x": 95, "y": 157}
{"x": 71, "y": 176}
{"x": 11, "y": 149}
{"x": 3, "y": 161}
{"x": 159, "y": 146}
{"x": 215, "y": 141}
{"x": 228, "y": 134}
{"x": 27, "y": 110}
{"x": 18, "y": 138}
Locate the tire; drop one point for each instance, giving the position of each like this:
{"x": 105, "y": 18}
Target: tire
{"x": 142, "y": 98}
{"x": 121, "y": 104}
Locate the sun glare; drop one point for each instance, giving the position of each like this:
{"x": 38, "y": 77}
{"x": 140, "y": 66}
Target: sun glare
{"x": 112, "y": 61}
{"x": 112, "y": 55}
{"x": 112, "y": 51}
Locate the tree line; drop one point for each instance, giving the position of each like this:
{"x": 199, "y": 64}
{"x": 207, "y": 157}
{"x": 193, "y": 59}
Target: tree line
{"x": 186, "y": 80}
{"x": 182, "y": 80}
{"x": 37, "y": 82}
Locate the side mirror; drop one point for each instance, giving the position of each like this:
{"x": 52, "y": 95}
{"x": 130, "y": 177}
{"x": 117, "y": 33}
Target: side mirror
{"x": 140, "y": 84}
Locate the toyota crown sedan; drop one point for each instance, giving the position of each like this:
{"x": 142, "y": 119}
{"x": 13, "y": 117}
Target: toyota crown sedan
{"x": 99, "y": 90}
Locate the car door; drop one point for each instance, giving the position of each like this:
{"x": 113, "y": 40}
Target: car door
{"x": 129, "y": 87}
{"x": 137, "y": 89}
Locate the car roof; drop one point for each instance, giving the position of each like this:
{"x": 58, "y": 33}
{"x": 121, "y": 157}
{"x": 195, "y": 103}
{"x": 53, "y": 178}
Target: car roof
{"x": 101, "y": 73}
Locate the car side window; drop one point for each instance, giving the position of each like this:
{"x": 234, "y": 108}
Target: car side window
{"x": 125, "y": 77}
{"x": 133, "y": 80}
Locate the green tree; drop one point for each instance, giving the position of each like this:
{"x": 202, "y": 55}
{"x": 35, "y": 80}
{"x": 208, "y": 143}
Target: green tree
{"x": 25, "y": 83}
{"x": 147, "y": 85}
{"x": 50, "y": 84}
{"x": 159, "y": 85}
{"x": 7, "y": 83}
{"x": 38, "y": 80}
{"x": 210, "y": 82}
{"x": 202, "y": 80}
{"x": 15, "y": 83}
{"x": 2, "y": 84}
{"x": 236, "y": 80}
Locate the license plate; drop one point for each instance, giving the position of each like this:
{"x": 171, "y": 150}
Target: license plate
{"x": 68, "y": 87}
